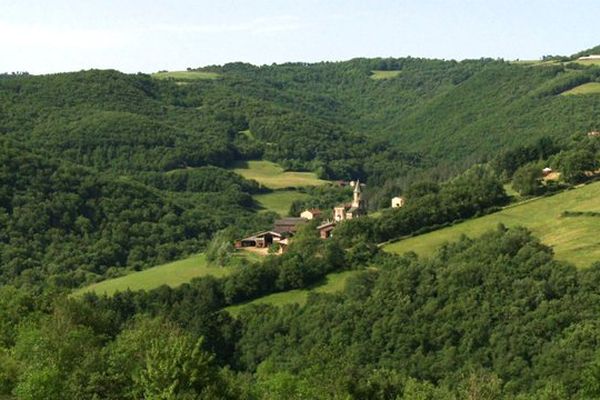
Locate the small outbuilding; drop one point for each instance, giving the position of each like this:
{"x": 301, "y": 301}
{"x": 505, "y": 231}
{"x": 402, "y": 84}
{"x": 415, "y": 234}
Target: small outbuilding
{"x": 547, "y": 171}
{"x": 398, "y": 202}
{"x": 326, "y": 229}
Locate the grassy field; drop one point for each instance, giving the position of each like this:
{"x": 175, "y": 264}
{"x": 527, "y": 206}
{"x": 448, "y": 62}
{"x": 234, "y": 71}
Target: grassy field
{"x": 273, "y": 176}
{"x": 333, "y": 283}
{"x": 574, "y": 239}
{"x": 171, "y": 274}
{"x": 279, "y": 200}
{"x": 586, "y": 88}
{"x": 185, "y": 75}
{"x": 535, "y": 63}
{"x": 378, "y": 75}
{"x": 588, "y": 62}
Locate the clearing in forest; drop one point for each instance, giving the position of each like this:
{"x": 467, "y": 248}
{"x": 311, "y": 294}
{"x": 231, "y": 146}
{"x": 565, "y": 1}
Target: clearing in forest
{"x": 379, "y": 75}
{"x": 574, "y": 238}
{"x": 273, "y": 176}
{"x": 333, "y": 283}
{"x": 185, "y": 75}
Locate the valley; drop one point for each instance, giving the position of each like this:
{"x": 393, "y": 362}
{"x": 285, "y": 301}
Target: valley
{"x": 227, "y": 231}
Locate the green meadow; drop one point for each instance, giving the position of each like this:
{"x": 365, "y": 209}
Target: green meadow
{"x": 586, "y": 88}
{"x": 273, "y": 176}
{"x": 588, "y": 62}
{"x": 279, "y": 201}
{"x": 379, "y": 75}
{"x": 185, "y": 75}
{"x": 573, "y": 238}
{"x": 172, "y": 274}
{"x": 334, "y": 282}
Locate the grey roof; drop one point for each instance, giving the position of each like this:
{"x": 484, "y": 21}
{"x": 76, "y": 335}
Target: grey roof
{"x": 288, "y": 225}
{"x": 260, "y": 234}
{"x": 326, "y": 224}
{"x": 290, "y": 220}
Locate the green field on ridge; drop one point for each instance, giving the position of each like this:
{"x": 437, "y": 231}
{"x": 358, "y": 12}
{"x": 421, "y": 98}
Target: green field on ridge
{"x": 586, "y": 88}
{"x": 185, "y": 75}
{"x": 573, "y": 238}
{"x": 171, "y": 274}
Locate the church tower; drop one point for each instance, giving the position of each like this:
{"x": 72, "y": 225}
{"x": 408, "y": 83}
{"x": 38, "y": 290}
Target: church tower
{"x": 357, "y": 201}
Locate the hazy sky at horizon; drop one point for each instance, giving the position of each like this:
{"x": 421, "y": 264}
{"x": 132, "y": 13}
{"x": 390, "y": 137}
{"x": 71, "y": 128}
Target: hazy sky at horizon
{"x": 131, "y": 36}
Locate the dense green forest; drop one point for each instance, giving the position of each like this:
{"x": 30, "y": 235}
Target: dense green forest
{"x": 102, "y": 173}
{"x": 492, "y": 318}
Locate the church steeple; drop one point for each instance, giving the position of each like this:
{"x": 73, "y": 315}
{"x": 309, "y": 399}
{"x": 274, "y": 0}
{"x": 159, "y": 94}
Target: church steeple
{"x": 357, "y": 199}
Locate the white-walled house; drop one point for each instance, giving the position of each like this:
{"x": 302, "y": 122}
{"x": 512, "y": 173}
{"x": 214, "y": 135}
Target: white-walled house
{"x": 398, "y": 202}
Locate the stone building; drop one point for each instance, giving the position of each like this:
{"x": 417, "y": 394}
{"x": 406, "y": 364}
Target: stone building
{"x": 355, "y": 209}
{"x": 311, "y": 213}
{"x": 398, "y": 202}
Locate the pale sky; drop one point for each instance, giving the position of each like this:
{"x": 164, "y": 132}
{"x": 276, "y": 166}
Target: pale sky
{"x": 151, "y": 35}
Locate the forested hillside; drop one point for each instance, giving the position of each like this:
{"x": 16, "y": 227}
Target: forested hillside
{"x": 170, "y": 142}
{"x": 496, "y": 315}
{"x": 104, "y": 173}
{"x": 327, "y": 117}
{"x": 65, "y": 225}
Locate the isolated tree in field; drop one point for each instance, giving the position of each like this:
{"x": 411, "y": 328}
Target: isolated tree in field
{"x": 574, "y": 165}
{"x": 527, "y": 180}
{"x": 220, "y": 249}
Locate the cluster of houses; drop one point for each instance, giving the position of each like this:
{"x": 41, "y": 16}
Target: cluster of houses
{"x": 284, "y": 229}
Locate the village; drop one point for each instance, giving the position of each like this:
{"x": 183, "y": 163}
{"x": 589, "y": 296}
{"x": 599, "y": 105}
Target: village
{"x": 283, "y": 230}
{"x": 278, "y": 238}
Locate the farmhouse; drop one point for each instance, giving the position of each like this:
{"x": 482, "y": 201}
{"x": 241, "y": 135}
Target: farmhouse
{"x": 397, "y": 202}
{"x": 288, "y": 225}
{"x": 260, "y": 240}
{"x": 311, "y": 213}
{"x": 283, "y": 230}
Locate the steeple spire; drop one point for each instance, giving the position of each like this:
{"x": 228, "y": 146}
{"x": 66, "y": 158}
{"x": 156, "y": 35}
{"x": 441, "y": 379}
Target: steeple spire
{"x": 357, "y": 186}
{"x": 357, "y": 200}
